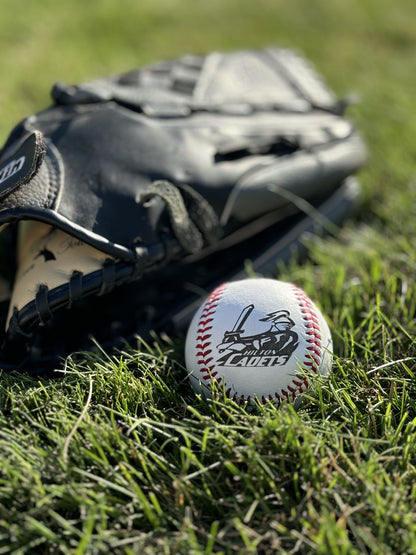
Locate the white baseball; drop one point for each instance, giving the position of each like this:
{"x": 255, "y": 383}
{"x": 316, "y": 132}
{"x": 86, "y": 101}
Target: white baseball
{"x": 257, "y": 339}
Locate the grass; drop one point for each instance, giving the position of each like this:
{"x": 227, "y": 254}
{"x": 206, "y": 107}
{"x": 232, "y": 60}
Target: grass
{"x": 117, "y": 455}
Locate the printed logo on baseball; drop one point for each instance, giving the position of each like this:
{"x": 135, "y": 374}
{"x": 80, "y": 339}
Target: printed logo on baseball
{"x": 257, "y": 338}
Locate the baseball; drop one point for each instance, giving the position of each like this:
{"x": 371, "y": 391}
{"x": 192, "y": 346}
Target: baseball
{"x": 257, "y": 339}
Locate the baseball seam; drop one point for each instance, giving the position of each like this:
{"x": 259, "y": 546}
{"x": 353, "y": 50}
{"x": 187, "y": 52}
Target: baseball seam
{"x": 311, "y": 360}
{"x": 203, "y": 343}
{"x": 313, "y": 355}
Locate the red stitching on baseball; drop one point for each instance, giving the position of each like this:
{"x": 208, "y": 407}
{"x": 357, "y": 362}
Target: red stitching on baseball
{"x": 203, "y": 337}
{"x": 203, "y": 344}
{"x": 314, "y": 352}
{"x": 313, "y": 355}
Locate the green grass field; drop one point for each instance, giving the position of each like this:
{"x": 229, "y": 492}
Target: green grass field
{"x": 119, "y": 456}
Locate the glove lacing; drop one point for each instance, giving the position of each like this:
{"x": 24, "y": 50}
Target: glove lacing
{"x": 193, "y": 220}
{"x": 193, "y": 223}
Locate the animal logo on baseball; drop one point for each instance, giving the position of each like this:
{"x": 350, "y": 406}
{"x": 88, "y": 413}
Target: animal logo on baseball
{"x": 272, "y": 347}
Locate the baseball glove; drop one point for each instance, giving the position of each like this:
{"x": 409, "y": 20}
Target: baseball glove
{"x": 133, "y": 194}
